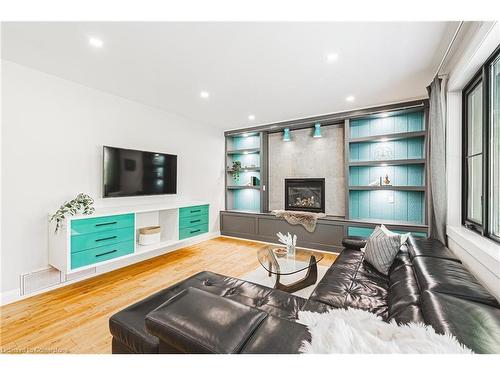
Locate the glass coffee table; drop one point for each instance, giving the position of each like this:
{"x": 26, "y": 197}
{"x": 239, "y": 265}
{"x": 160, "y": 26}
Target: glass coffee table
{"x": 279, "y": 264}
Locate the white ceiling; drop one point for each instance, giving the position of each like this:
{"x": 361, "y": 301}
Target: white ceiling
{"x": 275, "y": 71}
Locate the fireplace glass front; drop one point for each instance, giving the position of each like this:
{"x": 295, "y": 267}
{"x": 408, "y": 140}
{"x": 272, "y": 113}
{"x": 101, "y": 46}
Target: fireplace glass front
{"x": 305, "y": 194}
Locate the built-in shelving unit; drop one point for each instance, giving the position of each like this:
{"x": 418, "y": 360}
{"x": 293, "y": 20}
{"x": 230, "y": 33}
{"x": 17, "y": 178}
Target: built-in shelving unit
{"x": 386, "y": 140}
{"x": 245, "y": 190}
{"x": 392, "y": 145}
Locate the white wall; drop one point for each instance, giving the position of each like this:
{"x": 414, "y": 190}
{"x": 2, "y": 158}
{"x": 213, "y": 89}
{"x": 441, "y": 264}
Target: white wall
{"x": 53, "y": 131}
{"x": 479, "y": 254}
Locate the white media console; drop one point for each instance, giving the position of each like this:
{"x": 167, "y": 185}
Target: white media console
{"x": 109, "y": 234}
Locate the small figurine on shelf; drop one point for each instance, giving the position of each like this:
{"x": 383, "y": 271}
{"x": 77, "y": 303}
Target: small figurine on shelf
{"x": 375, "y": 183}
{"x": 386, "y": 180}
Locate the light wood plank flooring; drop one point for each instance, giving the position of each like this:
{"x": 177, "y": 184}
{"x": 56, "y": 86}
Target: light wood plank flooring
{"x": 74, "y": 318}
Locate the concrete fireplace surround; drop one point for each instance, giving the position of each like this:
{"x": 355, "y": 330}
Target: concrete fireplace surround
{"x": 308, "y": 157}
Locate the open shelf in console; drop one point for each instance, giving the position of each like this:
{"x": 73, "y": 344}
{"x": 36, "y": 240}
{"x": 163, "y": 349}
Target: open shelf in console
{"x": 167, "y": 220}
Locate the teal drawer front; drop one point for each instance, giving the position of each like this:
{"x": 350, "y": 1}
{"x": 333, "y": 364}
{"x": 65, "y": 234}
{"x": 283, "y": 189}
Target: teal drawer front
{"x": 187, "y": 222}
{"x": 193, "y": 231}
{"x": 193, "y": 211}
{"x": 100, "y": 254}
{"x": 91, "y": 240}
{"x": 101, "y": 224}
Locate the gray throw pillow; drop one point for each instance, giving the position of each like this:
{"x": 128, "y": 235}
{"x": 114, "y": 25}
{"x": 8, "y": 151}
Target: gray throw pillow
{"x": 381, "y": 249}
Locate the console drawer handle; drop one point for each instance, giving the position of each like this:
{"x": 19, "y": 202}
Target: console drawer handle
{"x": 106, "y": 253}
{"x": 195, "y": 221}
{"x": 193, "y": 211}
{"x": 194, "y": 231}
{"x": 104, "y": 239}
{"x": 101, "y": 224}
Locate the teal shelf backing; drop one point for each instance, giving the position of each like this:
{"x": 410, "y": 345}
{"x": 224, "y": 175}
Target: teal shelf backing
{"x": 366, "y": 232}
{"x": 406, "y": 122}
{"x": 245, "y": 159}
{"x": 246, "y": 200}
{"x": 406, "y": 207}
{"x": 411, "y": 148}
{"x": 240, "y": 143}
{"x": 244, "y": 178}
{"x": 400, "y": 175}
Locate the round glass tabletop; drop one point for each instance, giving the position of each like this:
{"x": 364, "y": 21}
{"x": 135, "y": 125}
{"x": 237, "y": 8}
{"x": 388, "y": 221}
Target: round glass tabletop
{"x": 275, "y": 259}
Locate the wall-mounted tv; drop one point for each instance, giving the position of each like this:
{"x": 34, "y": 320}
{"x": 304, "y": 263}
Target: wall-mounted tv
{"x": 129, "y": 173}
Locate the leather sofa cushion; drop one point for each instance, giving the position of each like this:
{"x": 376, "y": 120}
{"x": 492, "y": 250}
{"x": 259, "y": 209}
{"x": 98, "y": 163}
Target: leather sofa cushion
{"x": 403, "y": 296}
{"x": 475, "y": 325}
{"x": 450, "y": 277}
{"x": 129, "y": 329}
{"x": 274, "y": 302}
{"x": 429, "y": 247}
{"x": 352, "y": 282}
{"x": 195, "y": 321}
{"x": 277, "y": 336}
{"x": 354, "y": 242}
{"x": 128, "y": 325}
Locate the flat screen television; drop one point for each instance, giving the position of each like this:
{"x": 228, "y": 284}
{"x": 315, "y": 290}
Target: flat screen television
{"x": 129, "y": 173}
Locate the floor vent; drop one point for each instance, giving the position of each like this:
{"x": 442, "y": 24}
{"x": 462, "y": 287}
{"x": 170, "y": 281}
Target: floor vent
{"x": 80, "y": 274}
{"x": 38, "y": 280}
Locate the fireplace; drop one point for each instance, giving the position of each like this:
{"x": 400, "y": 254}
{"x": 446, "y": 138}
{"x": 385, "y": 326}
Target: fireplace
{"x": 305, "y": 194}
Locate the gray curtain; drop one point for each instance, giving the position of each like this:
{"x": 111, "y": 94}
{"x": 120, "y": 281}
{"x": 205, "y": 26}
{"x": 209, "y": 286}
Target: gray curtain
{"x": 436, "y": 152}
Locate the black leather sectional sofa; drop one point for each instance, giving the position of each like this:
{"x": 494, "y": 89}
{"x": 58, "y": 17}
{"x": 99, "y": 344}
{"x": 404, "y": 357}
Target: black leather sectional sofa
{"x": 211, "y": 313}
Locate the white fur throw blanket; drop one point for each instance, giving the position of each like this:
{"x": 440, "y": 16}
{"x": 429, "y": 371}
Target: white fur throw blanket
{"x": 360, "y": 332}
{"x": 306, "y": 219}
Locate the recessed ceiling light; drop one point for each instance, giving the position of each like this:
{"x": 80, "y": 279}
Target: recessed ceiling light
{"x": 332, "y": 57}
{"x": 204, "y": 94}
{"x": 96, "y": 42}
{"x": 385, "y": 114}
{"x": 251, "y": 117}
{"x": 245, "y": 135}
{"x": 350, "y": 98}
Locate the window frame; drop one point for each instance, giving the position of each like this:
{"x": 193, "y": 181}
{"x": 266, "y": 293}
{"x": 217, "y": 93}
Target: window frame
{"x": 482, "y": 76}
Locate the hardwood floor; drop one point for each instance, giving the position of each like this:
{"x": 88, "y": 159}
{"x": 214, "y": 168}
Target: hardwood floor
{"x": 74, "y": 319}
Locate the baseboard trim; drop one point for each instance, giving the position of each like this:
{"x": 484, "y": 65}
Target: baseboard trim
{"x": 11, "y": 296}
{"x": 14, "y": 295}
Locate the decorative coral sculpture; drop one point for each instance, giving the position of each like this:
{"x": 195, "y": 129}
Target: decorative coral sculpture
{"x": 289, "y": 241}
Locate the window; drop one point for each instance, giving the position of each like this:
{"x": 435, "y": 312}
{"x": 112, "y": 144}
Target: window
{"x": 495, "y": 146}
{"x": 481, "y": 150}
{"x": 474, "y": 155}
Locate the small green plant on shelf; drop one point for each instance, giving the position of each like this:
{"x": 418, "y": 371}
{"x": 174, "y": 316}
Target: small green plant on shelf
{"x": 236, "y": 170}
{"x": 81, "y": 203}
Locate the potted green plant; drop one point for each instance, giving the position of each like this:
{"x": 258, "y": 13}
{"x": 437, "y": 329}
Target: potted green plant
{"x": 81, "y": 203}
{"x": 236, "y": 170}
